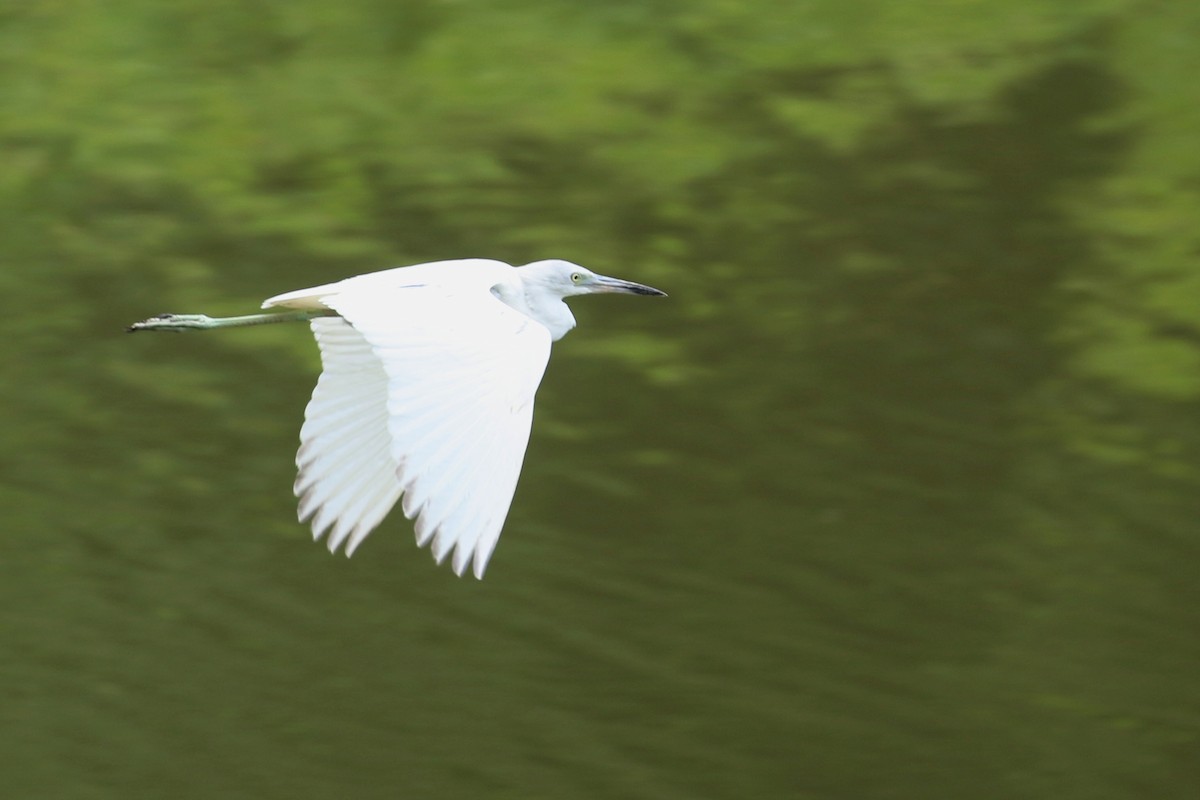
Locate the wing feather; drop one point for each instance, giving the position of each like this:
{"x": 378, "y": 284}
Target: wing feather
{"x": 345, "y": 450}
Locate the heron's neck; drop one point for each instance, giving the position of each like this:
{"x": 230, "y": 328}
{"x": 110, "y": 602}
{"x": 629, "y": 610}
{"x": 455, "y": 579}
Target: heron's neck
{"x": 547, "y": 309}
{"x": 555, "y": 315}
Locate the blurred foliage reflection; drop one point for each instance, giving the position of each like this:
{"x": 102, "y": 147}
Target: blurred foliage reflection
{"x": 896, "y": 496}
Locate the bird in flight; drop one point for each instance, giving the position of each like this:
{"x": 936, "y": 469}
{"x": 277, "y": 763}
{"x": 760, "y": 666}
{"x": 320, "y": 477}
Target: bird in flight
{"x": 425, "y": 395}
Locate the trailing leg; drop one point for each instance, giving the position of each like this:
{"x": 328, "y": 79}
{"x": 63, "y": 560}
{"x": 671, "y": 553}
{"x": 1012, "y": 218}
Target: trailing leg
{"x": 201, "y": 322}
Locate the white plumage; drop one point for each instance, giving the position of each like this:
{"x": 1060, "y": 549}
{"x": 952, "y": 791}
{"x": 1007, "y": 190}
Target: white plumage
{"x": 427, "y": 395}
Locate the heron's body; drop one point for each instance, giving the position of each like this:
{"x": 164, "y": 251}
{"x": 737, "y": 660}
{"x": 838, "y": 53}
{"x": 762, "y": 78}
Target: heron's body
{"x": 514, "y": 286}
{"x": 427, "y": 394}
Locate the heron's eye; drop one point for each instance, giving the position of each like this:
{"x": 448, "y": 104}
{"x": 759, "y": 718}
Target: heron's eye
{"x": 576, "y": 277}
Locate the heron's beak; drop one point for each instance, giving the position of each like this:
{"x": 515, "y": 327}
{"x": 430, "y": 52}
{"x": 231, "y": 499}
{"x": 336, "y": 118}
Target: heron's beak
{"x": 606, "y": 284}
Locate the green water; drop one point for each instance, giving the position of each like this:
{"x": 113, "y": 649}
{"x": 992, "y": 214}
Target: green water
{"x": 896, "y": 496}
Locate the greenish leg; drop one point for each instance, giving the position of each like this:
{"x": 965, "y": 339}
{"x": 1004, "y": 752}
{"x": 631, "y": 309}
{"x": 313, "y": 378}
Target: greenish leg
{"x": 202, "y": 322}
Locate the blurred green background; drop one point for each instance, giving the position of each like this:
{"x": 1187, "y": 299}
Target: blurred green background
{"x": 896, "y": 496}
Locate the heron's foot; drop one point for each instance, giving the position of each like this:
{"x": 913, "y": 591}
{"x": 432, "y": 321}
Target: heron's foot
{"x": 173, "y": 322}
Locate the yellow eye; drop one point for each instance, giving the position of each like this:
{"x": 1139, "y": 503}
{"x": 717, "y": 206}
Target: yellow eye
{"x": 576, "y": 277}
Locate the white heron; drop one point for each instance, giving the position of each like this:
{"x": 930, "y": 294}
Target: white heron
{"x": 426, "y": 394}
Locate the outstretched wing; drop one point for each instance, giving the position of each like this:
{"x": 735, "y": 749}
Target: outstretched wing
{"x": 347, "y": 475}
{"x": 441, "y": 378}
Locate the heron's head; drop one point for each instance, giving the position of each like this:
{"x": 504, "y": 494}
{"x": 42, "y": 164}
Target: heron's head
{"x": 566, "y": 279}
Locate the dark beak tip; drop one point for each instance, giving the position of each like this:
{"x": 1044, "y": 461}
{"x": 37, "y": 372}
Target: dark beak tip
{"x": 649, "y": 291}
{"x": 605, "y": 284}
